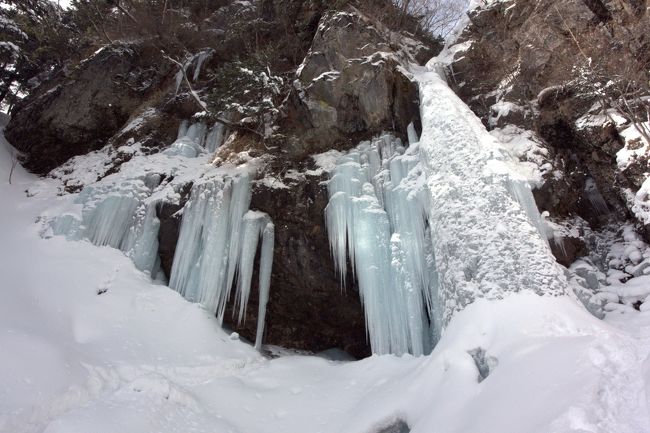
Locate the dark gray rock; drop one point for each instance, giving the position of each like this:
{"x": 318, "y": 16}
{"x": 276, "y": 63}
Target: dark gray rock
{"x": 484, "y": 364}
{"x": 399, "y": 426}
{"x": 80, "y": 110}
{"x": 352, "y": 85}
{"x": 568, "y": 249}
{"x": 308, "y": 309}
{"x": 525, "y": 52}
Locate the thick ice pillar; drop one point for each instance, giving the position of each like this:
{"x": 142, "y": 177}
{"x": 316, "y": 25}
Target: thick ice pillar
{"x": 218, "y": 240}
{"x": 484, "y": 225}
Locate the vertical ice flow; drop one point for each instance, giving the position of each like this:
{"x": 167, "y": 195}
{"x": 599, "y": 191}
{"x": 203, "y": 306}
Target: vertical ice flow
{"x": 486, "y": 231}
{"x": 431, "y": 228}
{"x": 377, "y": 218}
{"x": 196, "y": 138}
{"x": 218, "y": 241}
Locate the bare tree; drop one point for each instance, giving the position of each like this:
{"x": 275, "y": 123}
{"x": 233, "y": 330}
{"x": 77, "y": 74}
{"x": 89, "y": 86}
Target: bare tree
{"x": 436, "y": 16}
{"x": 614, "y": 74}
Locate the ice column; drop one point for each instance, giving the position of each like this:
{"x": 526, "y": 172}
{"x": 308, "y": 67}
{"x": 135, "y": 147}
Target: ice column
{"x": 217, "y": 242}
{"x": 485, "y": 227}
{"x": 377, "y": 217}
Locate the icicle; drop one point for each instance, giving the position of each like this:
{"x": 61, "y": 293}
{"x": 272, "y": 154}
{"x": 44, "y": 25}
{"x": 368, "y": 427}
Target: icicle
{"x": 202, "y": 243}
{"x": 520, "y": 190}
{"x": 218, "y": 239}
{"x": 179, "y": 80}
{"x": 215, "y": 137}
{"x": 182, "y": 129}
{"x": 196, "y": 132}
{"x": 266, "y": 263}
{"x": 240, "y": 203}
{"x": 376, "y": 216}
{"x": 200, "y": 59}
{"x": 252, "y": 227}
{"x": 412, "y": 134}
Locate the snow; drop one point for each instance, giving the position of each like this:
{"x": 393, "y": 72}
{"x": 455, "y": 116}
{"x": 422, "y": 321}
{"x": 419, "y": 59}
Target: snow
{"x": 640, "y": 202}
{"x": 502, "y": 109}
{"x": 527, "y": 149}
{"x": 138, "y": 121}
{"x": 327, "y": 160}
{"x": 635, "y": 144}
{"x": 139, "y": 358}
{"x": 91, "y": 344}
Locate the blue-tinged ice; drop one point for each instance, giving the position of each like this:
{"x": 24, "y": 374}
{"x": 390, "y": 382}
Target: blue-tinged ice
{"x": 266, "y": 264}
{"x": 377, "y": 217}
{"x": 412, "y": 134}
{"x": 215, "y": 137}
{"x": 218, "y": 240}
{"x": 120, "y": 216}
{"x": 193, "y": 139}
{"x": 430, "y": 228}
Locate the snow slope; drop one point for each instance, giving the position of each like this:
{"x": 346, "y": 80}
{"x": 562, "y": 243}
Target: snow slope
{"x": 89, "y": 344}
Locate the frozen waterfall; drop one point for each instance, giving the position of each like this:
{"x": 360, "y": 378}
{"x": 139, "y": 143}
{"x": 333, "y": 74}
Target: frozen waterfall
{"x": 194, "y": 139}
{"x": 118, "y": 215}
{"x": 219, "y": 236}
{"x": 218, "y": 240}
{"x": 487, "y": 234}
{"x": 377, "y": 216}
{"x": 431, "y": 228}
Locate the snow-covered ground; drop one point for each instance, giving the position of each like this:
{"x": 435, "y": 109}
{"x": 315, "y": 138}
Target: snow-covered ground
{"x": 89, "y": 344}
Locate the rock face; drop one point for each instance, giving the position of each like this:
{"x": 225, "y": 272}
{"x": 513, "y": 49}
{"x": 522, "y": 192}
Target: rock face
{"x": 352, "y": 85}
{"x": 308, "y": 308}
{"x": 80, "y": 110}
{"x": 529, "y": 56}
